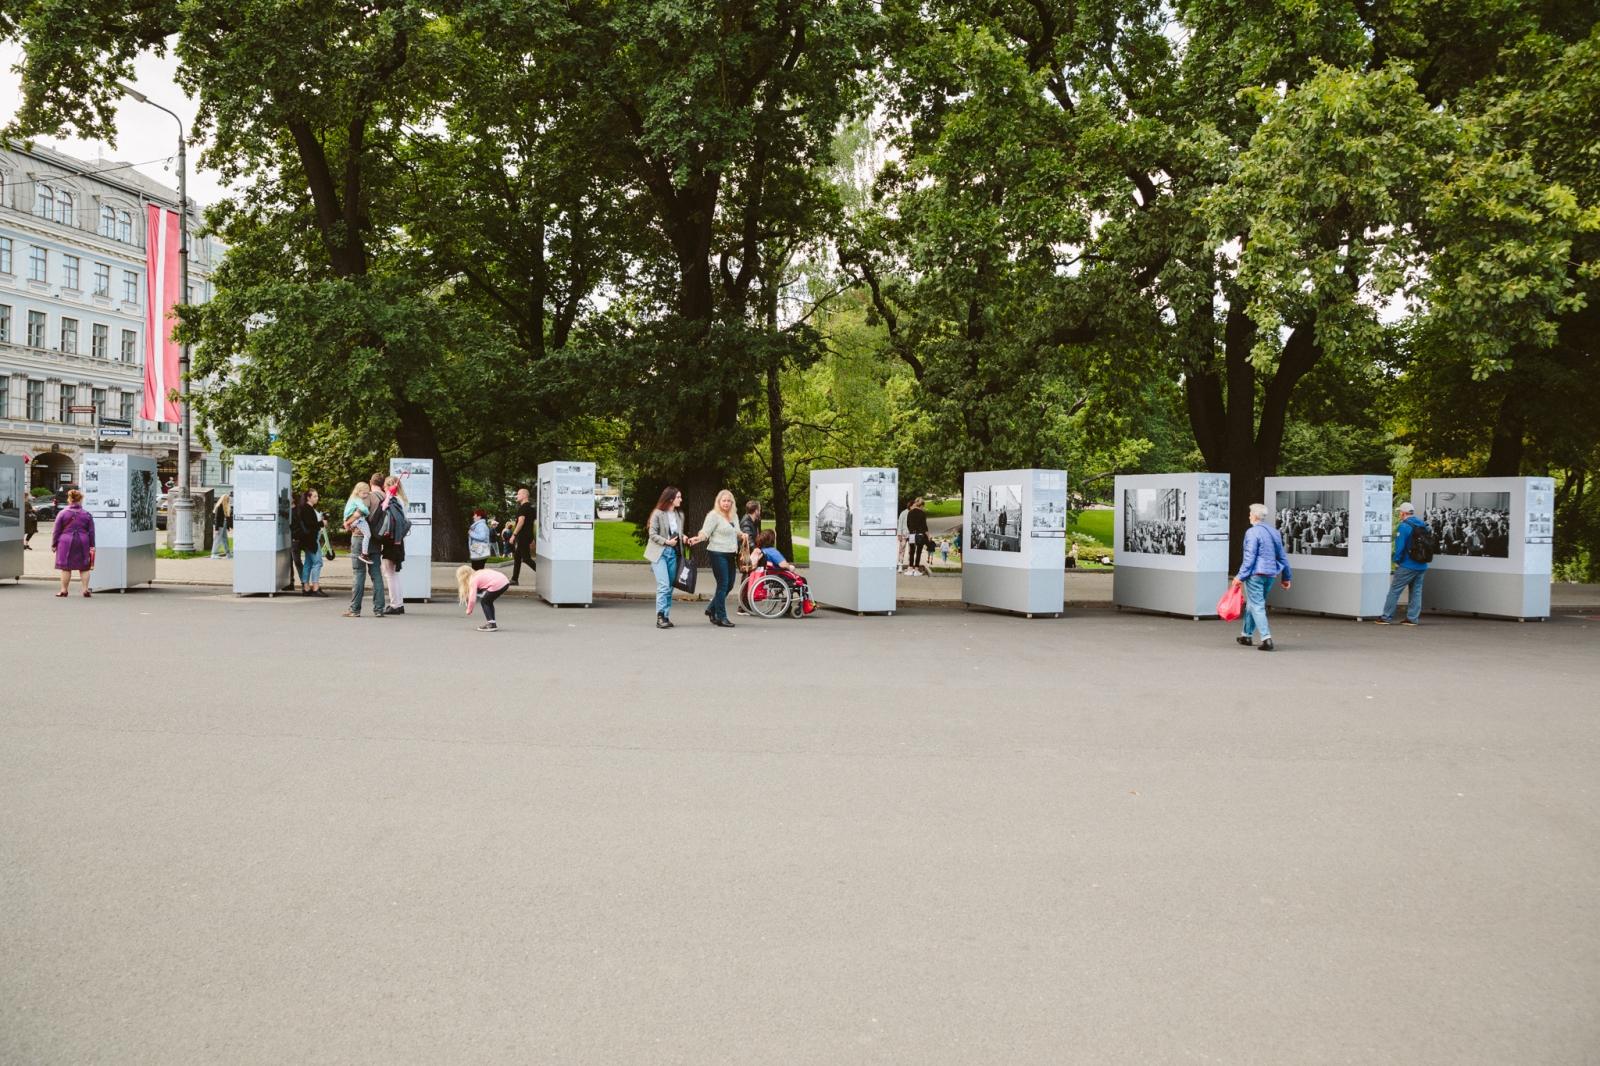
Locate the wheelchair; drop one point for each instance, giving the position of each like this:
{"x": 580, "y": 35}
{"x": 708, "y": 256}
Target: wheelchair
{"x": 772, "y": 592}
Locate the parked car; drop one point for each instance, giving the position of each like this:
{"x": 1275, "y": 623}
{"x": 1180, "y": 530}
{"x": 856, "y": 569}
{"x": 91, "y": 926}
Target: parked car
{"x": 45, "y": 508}
{"x": 161, "y": 511}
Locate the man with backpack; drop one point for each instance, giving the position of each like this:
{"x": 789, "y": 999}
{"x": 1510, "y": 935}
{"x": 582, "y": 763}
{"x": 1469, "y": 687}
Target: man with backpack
{"x": 1413, "y": 550}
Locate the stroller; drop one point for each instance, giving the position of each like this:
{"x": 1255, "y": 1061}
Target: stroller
{"x": 771, "y": 592}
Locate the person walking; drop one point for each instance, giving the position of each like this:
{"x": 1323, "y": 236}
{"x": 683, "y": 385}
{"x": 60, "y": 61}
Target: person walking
{"x": 390, "y": 526}
{"x": 305, "y": 526}
{"x": 664, "y": 548}
{"x": 73, "y": 542}
{"x": 481, "y": 586}
{"x": 917, "y": 530}
{"x": 1408, "y": 569}
{"x": 1264, "y": 559}
{"x": 749, "y": 530}
{"x": 478, "y": 539}
{"x": 522, "y": 535}
{"x": 363, "y": 552}
{"x": 221, "y": 524}
{"x": 30, "y": 523}
{"x": 721, "y": 535}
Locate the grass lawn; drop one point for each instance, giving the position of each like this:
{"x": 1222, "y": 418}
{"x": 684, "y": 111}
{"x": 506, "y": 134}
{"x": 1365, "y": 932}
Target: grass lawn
{"x": 614, "y": 540}
{"x": 1095, "y": 523}
{"x": 943, "y": 509}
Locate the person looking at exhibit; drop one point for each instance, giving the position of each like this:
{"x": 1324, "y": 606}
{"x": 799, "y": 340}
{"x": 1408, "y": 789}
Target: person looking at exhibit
{"x": 73, "y": 542}
{"x": 1408, "y": 569}
{"x": 522, "y": 535}
{"x": 664, "y": 548}
{"x": 1264, "y": 559}
{"x": 917, "y": 532}
{"x": 903, "y": 537}
{"x": 478, "y": 539}
{"x": 721, "y": 535}
{"x": 305, "y": 526}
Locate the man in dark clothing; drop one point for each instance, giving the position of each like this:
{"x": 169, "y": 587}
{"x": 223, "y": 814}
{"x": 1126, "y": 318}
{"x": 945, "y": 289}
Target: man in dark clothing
{"x": 749, "y": 530}
{"x": 1407, "y": 571}
{"x": 522, "y": 536}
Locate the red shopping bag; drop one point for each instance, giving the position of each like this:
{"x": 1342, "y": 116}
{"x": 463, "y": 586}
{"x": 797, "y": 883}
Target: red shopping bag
{"x": 1231, "y": 605}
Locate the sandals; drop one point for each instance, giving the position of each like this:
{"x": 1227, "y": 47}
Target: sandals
{"x": 63, "y": 592}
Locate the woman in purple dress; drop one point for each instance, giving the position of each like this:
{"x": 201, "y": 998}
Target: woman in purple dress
{"x": 73, "y": 541}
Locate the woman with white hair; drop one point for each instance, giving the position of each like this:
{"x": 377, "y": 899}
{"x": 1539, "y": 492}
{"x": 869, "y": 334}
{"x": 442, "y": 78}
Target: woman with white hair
{"x": 721, "y": 534}
{"x": 1264, "y": 559}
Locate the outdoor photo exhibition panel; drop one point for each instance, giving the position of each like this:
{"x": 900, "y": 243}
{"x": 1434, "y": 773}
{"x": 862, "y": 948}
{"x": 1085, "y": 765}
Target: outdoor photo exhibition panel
{"x": 1013, "y": 540}
{"x": 564, "y": 538}
{"x": 262, "y": 561}
{"x": 853, "y": 537}
{"x": 120, "y": 492}
{"x": 416, "y": 489}
{"x": 1494, "y": 537}
{"x": 1171, "y": 533}
{"x": 13, "y": 487}
{"x": 1339, "y": 535}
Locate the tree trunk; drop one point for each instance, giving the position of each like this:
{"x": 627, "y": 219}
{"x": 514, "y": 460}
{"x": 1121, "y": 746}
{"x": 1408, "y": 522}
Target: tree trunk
{"x": 417, "y": 440}
{"x": 778, "y": 470}
{"x": 1505, "y": 453}
{"x": 1245, "y": 477}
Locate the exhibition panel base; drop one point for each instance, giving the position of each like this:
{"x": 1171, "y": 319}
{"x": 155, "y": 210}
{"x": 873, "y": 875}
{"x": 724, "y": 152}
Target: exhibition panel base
{"x": 1011, "y": 588}
{"x": 123, "y": 568}
{"x": 854, "y": 588}
{"x": 10, "y": 559}
{"x": 564, "y": 582}
{"x": 261, "y": 571}
{"x": 1184, "y": 592}
{"x": 1498, "y": 595}
{"x": 1343, "y": 595}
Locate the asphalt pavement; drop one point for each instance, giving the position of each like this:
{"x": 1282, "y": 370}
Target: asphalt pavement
{"x": 250, "y": 831}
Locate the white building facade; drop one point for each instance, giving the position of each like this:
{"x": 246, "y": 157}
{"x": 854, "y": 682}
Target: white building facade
{"x": 73, "y": 300}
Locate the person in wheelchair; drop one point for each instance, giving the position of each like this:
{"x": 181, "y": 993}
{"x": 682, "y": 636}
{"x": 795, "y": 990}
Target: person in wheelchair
{"x": 767, "y": 553}
{"x": 774, "y": 587}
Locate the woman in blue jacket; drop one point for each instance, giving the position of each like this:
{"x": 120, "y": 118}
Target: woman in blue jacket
{"x": 1264, "y": 559}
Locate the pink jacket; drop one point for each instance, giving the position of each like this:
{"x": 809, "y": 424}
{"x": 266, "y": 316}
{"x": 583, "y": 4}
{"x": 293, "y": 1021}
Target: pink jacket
{"x": 484, "y": 580}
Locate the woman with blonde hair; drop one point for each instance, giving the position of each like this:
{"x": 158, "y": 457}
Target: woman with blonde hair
{"x": 720, "y": 531}
{"x": 481, "y": 586}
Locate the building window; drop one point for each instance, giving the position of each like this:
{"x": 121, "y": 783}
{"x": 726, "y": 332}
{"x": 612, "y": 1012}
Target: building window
{"x": 38, "y": 260}
{"x": 36, "y": 401}
{"x": 98, "y": 398}
{"x": 100, "y": 341}
{"x": 130, "y": 287}
{"x": 69, "y": 336}
{"x": 64, "y": 205}
{"x": 127, "y": 408}
{"x": 108, "y": 221}
{"x": 69, "y": 396}
{"x": 69, "y": 271}
{"x": 36, "y": 329}
{"x": 44, "y": 201}
{"x": 102, "y": 279}
{"x": 5, "y": 396}
{"x": 124, "y": 227}
{"x": 130, "y": 346}
{"x": 5, "y": 255}
{"x": 5, "y": 324}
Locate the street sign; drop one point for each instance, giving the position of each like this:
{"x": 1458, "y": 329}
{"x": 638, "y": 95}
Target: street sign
{"x": 121, "y": 423}
{"x": 116, "y": 432}
{"x": 81, "y": 409}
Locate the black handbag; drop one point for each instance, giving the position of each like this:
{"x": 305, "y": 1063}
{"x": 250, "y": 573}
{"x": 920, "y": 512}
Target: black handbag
{"x": 688, "y": 573}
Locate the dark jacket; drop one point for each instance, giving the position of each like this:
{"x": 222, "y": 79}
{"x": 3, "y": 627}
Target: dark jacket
{"x": 750, "y": 527}
{"x": 917, "y": 521}
{"x": 304, "y": 527}
{"x": 1402, "y": 541}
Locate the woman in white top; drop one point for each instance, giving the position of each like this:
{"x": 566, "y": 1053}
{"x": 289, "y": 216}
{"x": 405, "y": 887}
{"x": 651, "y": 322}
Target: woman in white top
{"x": 664, "y": 549}
{"x": 721, "y": 533}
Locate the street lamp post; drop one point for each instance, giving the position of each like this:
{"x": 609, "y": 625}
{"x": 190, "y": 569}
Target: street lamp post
{"x": 181, "y": 509}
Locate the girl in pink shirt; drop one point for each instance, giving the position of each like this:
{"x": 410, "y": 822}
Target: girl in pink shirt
{"x": 481, "y": 586}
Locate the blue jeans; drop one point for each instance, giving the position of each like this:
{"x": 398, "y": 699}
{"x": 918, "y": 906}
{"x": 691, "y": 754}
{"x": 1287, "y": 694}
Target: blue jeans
{"x": 722, "y": 566}
{"x": 311, "y": 567}
{"x": 1255, "y": 604}
{"x": 1403, "y": 576}
{"x": 666, "y": 569}
{"x": 361, "y": 571}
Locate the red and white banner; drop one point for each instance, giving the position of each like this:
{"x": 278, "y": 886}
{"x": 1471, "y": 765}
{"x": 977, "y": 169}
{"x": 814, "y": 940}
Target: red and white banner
{"x": 161, "y": 353}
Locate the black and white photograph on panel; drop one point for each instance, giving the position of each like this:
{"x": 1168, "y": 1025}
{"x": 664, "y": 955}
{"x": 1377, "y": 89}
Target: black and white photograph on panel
{"x": 10, "y": 498}
{"x": 996, "y": 518}
{"x": 1315, "y": 523}
{"x": 1470, "y": 523}
{"x": 834, "y": 523}
{"x": 1154, "y": 521}
{"x": 141, "y": 501}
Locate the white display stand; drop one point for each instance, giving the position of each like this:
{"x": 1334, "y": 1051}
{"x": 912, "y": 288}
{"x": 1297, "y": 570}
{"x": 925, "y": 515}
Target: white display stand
{"x": 1339, "y": 535}
{"x": 262, "y": 559}
{"x": 120, "y": 491}
{"x": 1495, "y": 539}
{"x": 853, "y": 538}
{"x": 1014, "y": 540}
{"x": 1171, "y": 543}
{"x": 564, "y": 541}
{"x": 416, "y": 487}
{"x": 13, "y": 515}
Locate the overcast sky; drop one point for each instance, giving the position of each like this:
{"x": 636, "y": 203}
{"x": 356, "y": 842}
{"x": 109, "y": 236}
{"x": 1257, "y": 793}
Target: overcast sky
{"x": 145, "y": 136}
